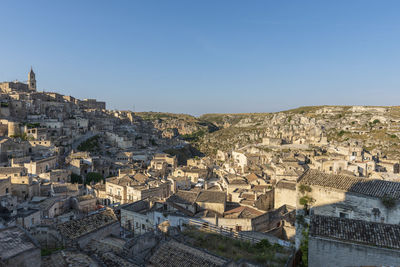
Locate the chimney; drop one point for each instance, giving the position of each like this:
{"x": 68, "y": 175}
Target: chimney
{"x": 14, "y": 211}
{"x": 174, "y": 186}
{"x": 205, "y": 185}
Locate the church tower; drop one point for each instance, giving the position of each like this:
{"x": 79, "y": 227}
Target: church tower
{"x": 31, "y": 81}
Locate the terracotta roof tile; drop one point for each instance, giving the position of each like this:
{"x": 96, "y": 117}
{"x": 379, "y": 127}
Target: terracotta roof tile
{"x": 364, "y": 186}
{"x": 357, "y": 231}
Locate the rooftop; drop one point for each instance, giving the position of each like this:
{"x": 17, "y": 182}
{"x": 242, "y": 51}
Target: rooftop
{"x": 291, "y": 185}
{"x": 172, "y": 253}
{"x": 85, "y": 197}
{"x": 369, "y": 187}
{"x": 242, "y": 212}
{"x": 7, "y": 170}
{"x": 252, "y": 177}
{"x": 122, "y": 181}
{"x": 356, "y": 231}
{"x": 48, "y": 203}
{"x": 183, "y": 197}
{"x": 13, "y": 241}
{"x": 63, "y": 188}
{"x": 211, "y": 197}
{"x": 138, "y": 206}
{"x": 77, "y": 228}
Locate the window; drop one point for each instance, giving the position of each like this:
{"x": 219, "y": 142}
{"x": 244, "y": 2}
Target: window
{"x": 238, "y": 228}
{"x": 6, "y": 190}
{"x": 343, "y": 215}
{"x": 143, "y": 227}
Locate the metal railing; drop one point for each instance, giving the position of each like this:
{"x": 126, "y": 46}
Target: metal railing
{"x": 228, "y": 232}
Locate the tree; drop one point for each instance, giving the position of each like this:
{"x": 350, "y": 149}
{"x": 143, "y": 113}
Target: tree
{"x": 388, "y": 201}
{"x": 93, "y": 177}
{"x": 75, "y": 178}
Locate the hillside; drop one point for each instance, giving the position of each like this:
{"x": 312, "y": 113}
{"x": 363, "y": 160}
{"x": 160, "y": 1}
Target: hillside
{"x": 373, "y": 127}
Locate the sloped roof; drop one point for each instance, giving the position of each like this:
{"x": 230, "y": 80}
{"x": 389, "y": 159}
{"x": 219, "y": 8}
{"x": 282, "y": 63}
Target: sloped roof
{"x": 252, "y": 177}
{"x": 7, "y": 170}
{"x": 122, "y": 181}
{"x": 173, "y": 254}
{"x": 140, "y": 177}
{"x": 211, "y": 196}
{"x": 291, "y": 185}
{"x": 242, "y": 212}
{"x": 13, "y": 241}
{"x": 364, "y": 186}
{"x": 356, "y": 231}
{"x": 183, "y": 197}
{"x": 76, "y": 228}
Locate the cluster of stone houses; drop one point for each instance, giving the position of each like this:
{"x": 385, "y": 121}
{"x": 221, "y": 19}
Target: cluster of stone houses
{"x": 96, "y": 185}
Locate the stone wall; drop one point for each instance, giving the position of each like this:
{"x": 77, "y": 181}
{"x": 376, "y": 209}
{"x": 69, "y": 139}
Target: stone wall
{"x": 29, "y": 258}
{"x": 332, "y": 253}
{"x": 330, "y": 202}
{"x": 269, "y": 220}
{"x": 111, "y": 229}
{"x": 284, "y": 196}
{"x": 5, "y": 186}
{"x": 46, "y": 236}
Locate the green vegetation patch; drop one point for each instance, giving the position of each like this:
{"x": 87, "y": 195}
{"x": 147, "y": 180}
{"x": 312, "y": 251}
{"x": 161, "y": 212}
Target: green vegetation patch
{"x": 33, "y": 125}
{"x": 152, "y": 116}
{"x": 94, "y": 177}
{"x": 91, "y": 145}
{"x": 49, "y": 251}
{"x": 76, "y": 179}
{"x": 193, "y": 137}
{"x": 388, "y": 201}
{"x": 263, "y": 252}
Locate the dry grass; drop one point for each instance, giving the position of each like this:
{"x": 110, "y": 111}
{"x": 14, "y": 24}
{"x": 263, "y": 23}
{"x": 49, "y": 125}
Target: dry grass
{"x": 261, "y": 253}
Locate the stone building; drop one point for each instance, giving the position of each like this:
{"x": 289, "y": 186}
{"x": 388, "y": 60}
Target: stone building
{"x": 8, "y": 87}
{"x": 27, "y": 217}
{"x": 92, "y": 104}
{"x": 126, "y": 189}
{"x": 135, "y": 217}
{"x": 285, "y": 194}
{"x": 349, "y": 197}
{"x": 41, "y": 166}
{"x": 18, "y": 248}
{"x": 86, "y": 203}
{"x": 212, "y": 200}
{"x": 5, "y": 186}
{"x": 345, "y": 242}
{"x": 78, "y": 233}
{"x": 194, "y": 174}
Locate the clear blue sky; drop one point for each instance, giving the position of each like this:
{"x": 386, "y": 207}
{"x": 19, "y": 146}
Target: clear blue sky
{"x": 206, "y": 56}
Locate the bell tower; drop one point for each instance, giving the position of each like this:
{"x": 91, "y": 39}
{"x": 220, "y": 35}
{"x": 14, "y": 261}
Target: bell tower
{"x": 31, "y": 81}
